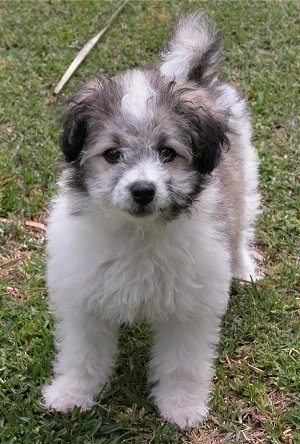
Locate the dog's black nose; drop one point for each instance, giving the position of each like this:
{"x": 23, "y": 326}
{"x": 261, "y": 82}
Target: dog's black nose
{"x": 142, "y": 192}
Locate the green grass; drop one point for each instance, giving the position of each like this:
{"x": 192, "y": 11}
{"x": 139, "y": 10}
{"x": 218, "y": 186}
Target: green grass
{"x": 256, "y": 388}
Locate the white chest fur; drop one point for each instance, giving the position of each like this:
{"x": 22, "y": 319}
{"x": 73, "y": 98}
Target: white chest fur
{"x": 125, "y": 274}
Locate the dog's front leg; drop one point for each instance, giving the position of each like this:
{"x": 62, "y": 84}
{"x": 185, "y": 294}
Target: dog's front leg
{"x": 87, "y": 347}
{"x": 182, "y": 368}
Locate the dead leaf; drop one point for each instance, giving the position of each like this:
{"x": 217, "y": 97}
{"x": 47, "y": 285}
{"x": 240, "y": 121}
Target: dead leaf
{"x": 33, "y": 224}
{"x": 162, "y": 17}
{"x": 51, "y": 99}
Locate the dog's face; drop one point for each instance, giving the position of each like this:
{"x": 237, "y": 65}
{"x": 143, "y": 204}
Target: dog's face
{"x": 142, "y": 144}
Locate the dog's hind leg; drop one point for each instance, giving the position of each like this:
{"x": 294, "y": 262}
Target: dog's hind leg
{"x": 87, "y": 348}
{"x": 243, "y": 263}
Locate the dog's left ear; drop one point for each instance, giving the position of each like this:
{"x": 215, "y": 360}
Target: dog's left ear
{"x": 209, "y": 139}
{"x": 208, "y": 131}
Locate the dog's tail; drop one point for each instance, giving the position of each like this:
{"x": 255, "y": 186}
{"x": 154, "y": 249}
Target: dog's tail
{"x": 193, "y": 50}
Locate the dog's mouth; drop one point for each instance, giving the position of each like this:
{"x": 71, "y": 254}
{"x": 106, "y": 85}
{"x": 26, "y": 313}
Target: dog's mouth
{"x": 142, "y": 210}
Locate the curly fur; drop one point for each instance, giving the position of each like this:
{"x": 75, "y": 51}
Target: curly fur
{"x": 170, "y": 260}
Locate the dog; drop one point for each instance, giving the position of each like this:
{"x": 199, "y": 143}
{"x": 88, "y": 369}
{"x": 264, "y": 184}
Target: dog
{"x": 153, "y": 218}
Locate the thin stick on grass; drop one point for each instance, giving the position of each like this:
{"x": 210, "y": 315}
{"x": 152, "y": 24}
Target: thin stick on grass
{"x": 86, "y": 49}
{"x": 28, "y": 223}
{"x": 10, "y": 262}
{"x": 34, "y": 224}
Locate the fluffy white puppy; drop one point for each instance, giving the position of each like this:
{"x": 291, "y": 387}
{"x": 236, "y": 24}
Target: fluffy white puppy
{"x": 153, "y": 219}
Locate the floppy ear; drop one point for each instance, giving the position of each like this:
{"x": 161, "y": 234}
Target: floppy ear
{"x": 208, "y": 131}
{"x": 74, "y": 130}
{"x": 94, "y": 103}
{"x": 209, "y": 138}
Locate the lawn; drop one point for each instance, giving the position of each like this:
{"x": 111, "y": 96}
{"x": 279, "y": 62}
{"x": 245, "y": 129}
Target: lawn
{"x": 257, "y": 384}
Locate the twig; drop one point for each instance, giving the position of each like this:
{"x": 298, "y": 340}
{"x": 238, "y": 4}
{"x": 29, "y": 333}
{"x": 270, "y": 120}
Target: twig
{"x": 37, "y": 225}
{"x": 256, "y": 369}
{"x": 86, "y": 49}
{"x": 9, "y": 262}
{"x": 28, "y": 223}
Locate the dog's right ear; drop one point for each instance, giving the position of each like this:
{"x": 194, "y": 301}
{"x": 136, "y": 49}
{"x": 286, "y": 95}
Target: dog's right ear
{"x": 94, "y": 103}
{"x": 74, "y": 129}
{"x": 76, "y": 118}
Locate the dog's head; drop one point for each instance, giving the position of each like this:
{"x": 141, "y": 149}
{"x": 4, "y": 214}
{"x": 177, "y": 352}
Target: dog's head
{"x": 142, "y": 143}
{"x": 145, "y": 142}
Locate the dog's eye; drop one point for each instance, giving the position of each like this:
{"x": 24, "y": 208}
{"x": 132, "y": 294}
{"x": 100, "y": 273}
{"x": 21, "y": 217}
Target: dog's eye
{"x": 167, "y": 154}
{"x": 113, "y": 155}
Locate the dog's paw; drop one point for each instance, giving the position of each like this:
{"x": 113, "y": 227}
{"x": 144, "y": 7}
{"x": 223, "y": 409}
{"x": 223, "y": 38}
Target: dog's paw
{"x": 245, "y": 278}
{"x": 184, "y": 416}
{"x": 244, "y": 267}
{"x": 64, "y": 393}
{"x": 185, "y": 408}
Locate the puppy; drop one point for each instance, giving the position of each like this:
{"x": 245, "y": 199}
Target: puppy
{"x": 153, "y": 218}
